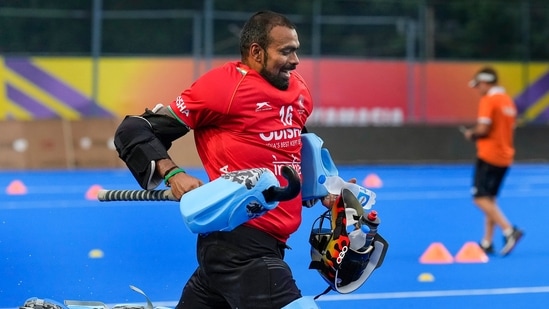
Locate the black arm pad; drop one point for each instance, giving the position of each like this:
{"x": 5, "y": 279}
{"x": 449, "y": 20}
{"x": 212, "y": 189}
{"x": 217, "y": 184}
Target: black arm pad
{"x": 141, "y": 142}
{"x": 167, "y": 129}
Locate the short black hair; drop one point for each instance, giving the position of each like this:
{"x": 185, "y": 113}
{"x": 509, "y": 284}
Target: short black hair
{"x": 257, "y": 28}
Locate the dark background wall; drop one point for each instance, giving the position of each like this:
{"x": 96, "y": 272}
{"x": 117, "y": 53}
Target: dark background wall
{"x": 417, "y": 144}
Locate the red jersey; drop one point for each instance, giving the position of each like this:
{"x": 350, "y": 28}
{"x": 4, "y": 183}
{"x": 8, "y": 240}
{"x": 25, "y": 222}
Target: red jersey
{"x": 241, "y": 121}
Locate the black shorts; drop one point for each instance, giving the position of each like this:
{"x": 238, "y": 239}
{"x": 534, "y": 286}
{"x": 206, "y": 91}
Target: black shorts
{"x": 241, "y": 269}
{"x": 488, "y": 179}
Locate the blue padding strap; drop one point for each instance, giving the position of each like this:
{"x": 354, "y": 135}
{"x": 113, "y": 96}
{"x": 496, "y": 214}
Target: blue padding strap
{"x": 316, "y": 166}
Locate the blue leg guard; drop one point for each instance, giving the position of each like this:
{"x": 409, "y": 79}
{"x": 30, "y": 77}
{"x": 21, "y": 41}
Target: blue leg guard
{"x": 236, "y": 197}
{"x": 307, "y": 302}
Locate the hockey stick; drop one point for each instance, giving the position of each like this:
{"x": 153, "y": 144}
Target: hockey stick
{"x": 270, "y": 194}
{"x": 135, "y": 195}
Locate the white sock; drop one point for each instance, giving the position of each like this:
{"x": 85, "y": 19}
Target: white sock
{"x": 485, "y": 243}
{"x": 508, "y": 231}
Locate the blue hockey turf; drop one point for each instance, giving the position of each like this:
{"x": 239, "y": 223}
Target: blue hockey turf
{"x": 55, "y": 243}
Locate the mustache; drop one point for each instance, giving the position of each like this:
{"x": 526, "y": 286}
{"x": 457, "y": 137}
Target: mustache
{"x": 289, "y": 68}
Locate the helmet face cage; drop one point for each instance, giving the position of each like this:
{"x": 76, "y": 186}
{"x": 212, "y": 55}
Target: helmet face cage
{"x": 339, "y": 265}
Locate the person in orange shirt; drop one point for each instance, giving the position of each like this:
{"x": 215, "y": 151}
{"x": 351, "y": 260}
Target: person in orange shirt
{"x": 493, "y": 134}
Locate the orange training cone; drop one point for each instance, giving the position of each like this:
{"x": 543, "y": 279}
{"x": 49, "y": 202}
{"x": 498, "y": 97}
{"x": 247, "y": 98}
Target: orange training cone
{"x": 436, "y": 253}
{"x": 372, "y": 181}
{"x": 91, "y": 194}
{"x": 471, "y": 252}
{"x": 16, "y": 187}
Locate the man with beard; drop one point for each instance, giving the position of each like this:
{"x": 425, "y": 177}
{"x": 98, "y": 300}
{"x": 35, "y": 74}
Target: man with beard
{"x": 245, "y": 114}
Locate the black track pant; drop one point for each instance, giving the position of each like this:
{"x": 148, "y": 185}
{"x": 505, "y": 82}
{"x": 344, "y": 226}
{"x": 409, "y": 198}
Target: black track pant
{"x": 241, "y": 269}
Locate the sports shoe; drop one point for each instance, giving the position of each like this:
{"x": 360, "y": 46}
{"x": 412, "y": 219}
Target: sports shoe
{"x": 487, "y": 250}
{"x": 511, "y": 241}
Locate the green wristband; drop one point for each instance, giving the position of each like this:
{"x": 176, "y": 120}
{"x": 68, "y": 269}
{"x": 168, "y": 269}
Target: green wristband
{"x": 172, "y": 172}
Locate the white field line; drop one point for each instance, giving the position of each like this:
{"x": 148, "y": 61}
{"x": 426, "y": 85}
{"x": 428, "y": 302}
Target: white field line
{"x": 396, "y": 295}
{"x": 441, "y": 293}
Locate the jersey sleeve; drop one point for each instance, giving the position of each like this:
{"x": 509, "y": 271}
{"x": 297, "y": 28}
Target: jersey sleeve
{"x": 206, "y": 101}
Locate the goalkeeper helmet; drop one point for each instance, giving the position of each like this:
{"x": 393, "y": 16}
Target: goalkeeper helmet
{"x": 343, "y": 268}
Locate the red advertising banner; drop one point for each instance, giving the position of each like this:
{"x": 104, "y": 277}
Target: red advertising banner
{"x": 347, "y": 92}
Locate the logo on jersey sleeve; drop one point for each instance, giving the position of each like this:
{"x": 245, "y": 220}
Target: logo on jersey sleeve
{"x": 181, "y": 107}
{"x": 509, "y": 111}
{"x": 301, "y": 109}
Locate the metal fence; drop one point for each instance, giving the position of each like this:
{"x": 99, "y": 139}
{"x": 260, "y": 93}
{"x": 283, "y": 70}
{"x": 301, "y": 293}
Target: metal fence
{"x": 416, "y": 32}
{"x": 412, "y": 29}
